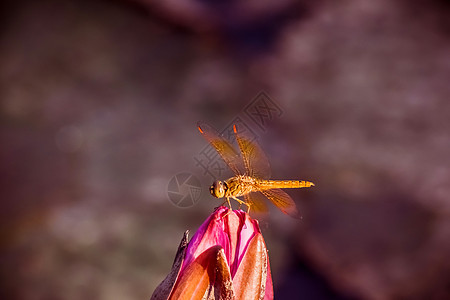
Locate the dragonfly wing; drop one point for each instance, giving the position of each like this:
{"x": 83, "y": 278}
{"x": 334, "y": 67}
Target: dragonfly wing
{"x": 222, "y": 146}
{"x": 255, "y": 160}
{"x": 283, "y": 201}
{"x": 257, "y": 202}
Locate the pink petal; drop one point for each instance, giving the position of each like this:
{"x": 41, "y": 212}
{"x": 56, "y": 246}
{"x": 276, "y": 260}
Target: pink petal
{"x": 269, "y": 284}
{"x": 212, "y": 232}
{"x": 244, "y": 229}
{"x": 207, "y": 277}
{"x": 251, "y": 278}
{"x": 231, "y": 226}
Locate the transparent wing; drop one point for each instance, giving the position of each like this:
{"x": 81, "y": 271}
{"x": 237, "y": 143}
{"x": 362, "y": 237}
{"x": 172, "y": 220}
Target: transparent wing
{"x": 255, "y": 161}
{"x": 283, "y": 201}
{"x": 222, "y": 146}
{"x": 257, "y": 202}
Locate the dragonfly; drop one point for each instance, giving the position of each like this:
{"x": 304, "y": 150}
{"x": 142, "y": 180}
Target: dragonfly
{"x": 252, "y": 172}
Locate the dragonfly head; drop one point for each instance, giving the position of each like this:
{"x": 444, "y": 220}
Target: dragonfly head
{"x": 218, "y": 189}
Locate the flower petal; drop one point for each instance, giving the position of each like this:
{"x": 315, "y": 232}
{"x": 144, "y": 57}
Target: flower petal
{"x": 207, "y": 277}
{"x": 241, "y": 229}
{"x": 212, "y": 232}
{"x": 269, "y": 284}
{"x": 251, "y": 279}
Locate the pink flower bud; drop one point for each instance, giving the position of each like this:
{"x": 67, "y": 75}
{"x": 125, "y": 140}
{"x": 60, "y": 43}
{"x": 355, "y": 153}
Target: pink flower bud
{"x": 225, "y": 259}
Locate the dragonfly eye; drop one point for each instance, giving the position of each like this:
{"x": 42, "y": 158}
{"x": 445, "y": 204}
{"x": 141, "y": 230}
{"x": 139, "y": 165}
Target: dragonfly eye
{"x": 217, "y": 189}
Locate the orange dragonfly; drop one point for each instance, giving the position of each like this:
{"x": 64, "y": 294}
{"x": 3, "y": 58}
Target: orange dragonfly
{"x": 252, "y": 173}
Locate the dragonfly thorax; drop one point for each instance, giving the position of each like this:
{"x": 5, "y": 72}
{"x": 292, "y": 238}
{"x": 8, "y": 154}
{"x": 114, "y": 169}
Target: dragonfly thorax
{"x": 218, "y": 189}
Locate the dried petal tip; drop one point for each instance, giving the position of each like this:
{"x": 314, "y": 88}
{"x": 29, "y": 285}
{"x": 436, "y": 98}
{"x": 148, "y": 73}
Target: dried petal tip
{"x": 165, "y": 287}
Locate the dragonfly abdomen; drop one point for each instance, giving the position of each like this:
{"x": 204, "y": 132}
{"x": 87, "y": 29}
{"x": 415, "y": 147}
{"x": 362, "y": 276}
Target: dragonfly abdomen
{"x": 283, "y": 184}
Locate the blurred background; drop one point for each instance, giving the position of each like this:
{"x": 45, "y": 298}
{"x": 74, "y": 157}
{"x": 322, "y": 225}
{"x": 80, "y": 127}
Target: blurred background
{"x": 99, "y": 104}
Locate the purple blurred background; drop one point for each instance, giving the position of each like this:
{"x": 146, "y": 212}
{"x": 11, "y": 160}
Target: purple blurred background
{"x": 99, "y": 104}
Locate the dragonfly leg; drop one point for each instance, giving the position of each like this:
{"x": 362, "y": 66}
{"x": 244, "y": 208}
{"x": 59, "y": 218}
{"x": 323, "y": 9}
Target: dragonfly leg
{"x": 242, "y": 202}
{"x": 229, "y": 204}
{"x": 238, "y": 200}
